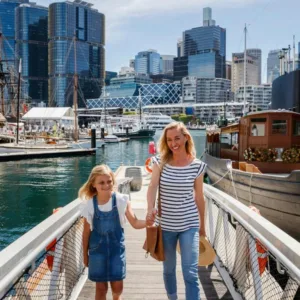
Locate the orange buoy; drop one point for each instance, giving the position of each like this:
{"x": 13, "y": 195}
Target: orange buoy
{"x": 262, "y": 253}
{"x": 51, "y": 248}
{"x": 148, "y": 165}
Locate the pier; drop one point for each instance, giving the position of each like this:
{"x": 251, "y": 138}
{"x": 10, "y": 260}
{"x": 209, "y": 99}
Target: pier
{"x": 232, "y": 228}
{"x": 144, "y": 280}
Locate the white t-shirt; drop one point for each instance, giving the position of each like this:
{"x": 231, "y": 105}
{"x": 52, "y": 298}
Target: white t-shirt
{"x": 87, "y": 208}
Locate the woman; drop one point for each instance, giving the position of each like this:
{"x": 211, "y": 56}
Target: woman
{"x": 180, "y": 176}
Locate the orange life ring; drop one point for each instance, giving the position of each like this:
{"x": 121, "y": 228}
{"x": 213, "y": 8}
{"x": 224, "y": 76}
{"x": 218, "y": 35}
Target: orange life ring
{"x": 262, "y": 253}
{"x": 148, "y": 165}
{"x": 51, "y": 248}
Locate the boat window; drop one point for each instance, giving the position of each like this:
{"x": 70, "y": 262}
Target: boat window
{"x": 258, "y": 120}
{"x": 296, "y": 127}
{"x": 279, "y": 127}
{"x": 258, "y": 129}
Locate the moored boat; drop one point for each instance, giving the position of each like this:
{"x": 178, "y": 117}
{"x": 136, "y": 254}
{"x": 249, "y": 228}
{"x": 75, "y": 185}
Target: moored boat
{"x": 258, "y": 162}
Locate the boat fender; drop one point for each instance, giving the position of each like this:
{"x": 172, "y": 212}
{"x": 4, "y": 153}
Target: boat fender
{"x": 51, "y": 248}
{"x": 148, "y": 164}
{"x": 262, "y": 253}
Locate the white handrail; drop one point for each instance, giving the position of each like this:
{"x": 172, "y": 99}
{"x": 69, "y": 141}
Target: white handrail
{"x": 281, "y": 245}
{"x": 15, "y": 258}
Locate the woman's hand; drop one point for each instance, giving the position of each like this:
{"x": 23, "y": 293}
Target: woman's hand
{"x": 150, "y": 218}
{"x": 202, "y": 232}
{"x": 86, "y": 259}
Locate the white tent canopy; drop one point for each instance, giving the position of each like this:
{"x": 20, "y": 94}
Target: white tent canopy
{"x": 50, "y": 116}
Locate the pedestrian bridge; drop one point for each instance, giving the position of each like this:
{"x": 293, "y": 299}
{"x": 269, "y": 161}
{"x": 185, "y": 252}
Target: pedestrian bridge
{"x": 235, "y": 231}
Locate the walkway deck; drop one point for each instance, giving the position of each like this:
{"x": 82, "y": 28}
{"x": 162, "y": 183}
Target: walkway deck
{"x": 144, "y": 275}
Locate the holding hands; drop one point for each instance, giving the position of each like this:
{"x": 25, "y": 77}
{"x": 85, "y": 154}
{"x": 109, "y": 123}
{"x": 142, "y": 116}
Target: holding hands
{"x": 150, "y": 217}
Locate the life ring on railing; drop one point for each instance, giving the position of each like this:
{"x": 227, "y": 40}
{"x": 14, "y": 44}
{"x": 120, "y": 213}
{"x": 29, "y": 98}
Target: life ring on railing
{"x": 262, "y": 253}
{"x": 51, "y": 248}
{"x": 148, "y": 165}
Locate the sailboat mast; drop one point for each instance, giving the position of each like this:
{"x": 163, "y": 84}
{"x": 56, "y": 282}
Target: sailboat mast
{"x": 18, "y": 103}
{"x": 75, "y": 101}
{"x": 1, "y": 83}
{"x": 294, "y": 53}
{"x": 245, "y": 69}
{"x": 140, "y": 106}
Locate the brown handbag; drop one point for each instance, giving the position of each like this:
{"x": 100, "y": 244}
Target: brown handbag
{"x": 154, "y": 241}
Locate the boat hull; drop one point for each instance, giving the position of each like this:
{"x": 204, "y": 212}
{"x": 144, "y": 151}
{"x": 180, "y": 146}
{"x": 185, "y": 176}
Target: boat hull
{"x": 276, "y": 196}
{"x": 139, "y": 134}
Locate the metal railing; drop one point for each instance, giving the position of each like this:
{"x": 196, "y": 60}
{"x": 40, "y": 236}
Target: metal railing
{"x": 256, "y": 259}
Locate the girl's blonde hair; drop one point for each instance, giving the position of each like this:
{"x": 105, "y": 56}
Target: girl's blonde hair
{"x": 164, "y": 150}
{"x": 87, "y": 191}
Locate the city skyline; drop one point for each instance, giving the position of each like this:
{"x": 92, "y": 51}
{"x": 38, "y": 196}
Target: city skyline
{"x": 135, "y": 27}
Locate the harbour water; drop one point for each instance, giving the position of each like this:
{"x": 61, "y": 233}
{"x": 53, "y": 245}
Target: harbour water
{"x": 30, "y": 189}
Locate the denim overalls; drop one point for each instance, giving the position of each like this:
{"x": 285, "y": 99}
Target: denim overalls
{"x": 106, "y": 245}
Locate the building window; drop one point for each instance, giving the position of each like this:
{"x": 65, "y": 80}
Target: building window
{"x": 296, "y": 127}
{"x": 279, "y": 127}
{"x": 258, "y": 129}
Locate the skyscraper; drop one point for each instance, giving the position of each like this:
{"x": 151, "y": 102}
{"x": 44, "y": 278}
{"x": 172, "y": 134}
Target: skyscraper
{"x": 7, "y": 28}
{"x": 237, "y": 71}
{"x": 256, "y": 53}
{"x": 32, "y": 47}
{"x": 273, "y": 65}
{"x": 147, "y": 62}
{"x": 207, "y": 17}
{"x": 204, "y": 50}
{"x": 167, "y": 64}
{"x": 65, "y": 19}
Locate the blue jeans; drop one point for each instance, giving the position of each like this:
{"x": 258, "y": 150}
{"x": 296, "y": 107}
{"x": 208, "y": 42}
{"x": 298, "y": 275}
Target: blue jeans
{"x": 189, "y": 248}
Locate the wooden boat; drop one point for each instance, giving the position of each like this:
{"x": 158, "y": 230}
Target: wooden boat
{"x": 258, "y": 162}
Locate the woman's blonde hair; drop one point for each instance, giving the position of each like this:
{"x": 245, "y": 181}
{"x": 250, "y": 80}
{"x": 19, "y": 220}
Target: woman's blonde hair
{"x": 87, "y": 191}
{"x": 165, "y": 151}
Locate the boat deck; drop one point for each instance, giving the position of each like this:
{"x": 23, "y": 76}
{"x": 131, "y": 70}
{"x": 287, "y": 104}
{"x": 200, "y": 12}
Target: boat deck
{"x": 144, "y": 279}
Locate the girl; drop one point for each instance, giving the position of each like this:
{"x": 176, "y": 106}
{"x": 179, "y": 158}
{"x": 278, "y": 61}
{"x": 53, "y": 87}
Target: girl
{"x": 103, "y": 234}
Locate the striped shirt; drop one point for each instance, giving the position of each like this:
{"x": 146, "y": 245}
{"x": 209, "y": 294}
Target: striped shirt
{"x": 178, "y": 207}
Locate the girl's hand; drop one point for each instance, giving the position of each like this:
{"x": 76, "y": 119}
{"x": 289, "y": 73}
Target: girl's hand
{"x": 150, "y": 218}
{"x": 86, "y": 260}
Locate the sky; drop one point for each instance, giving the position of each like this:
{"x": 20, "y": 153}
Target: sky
{"x": 137, "y": 25}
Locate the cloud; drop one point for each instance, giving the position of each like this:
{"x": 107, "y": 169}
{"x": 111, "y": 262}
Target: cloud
{"x": 121, "y": 12}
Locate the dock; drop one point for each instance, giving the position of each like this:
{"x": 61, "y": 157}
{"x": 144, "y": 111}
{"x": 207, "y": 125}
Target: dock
{"x": 144, "y": 280}
{"x": 7, "y": 154}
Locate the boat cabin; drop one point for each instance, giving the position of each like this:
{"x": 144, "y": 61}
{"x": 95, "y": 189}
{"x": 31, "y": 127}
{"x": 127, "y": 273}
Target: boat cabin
{"x": 270, "y": 140}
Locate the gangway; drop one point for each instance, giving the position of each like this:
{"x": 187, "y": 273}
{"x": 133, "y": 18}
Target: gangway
{"x": 234, "y": 230}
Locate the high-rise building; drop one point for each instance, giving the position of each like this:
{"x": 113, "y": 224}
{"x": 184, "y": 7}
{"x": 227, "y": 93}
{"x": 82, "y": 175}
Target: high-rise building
{"x": 147, "y": 62}
{"x": 179, "y": 48}
{"x": 213, "y": 90}
{"x": 237, "y": 71}
{"x": 204, "y": 50}
{"x": 256, "y": 53}
{"x": 273, "y": 65}
{"x": 65, "y": 19}
{"x": 109, "y": 75}
{"x": 167, "y": 64}
{"x": 9, "y": 63}
{"x": 228, "y": 70}
{"x": 189, "y": 85}
{"x": 207, "y": 17}
{"x": 7, "y": 29}
{"x": 131, "y": 63}
{"x": 257, "y": 96}
{"x": 32, "y": 46}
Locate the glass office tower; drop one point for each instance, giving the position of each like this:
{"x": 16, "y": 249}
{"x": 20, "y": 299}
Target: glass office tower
{"x": 32, "y": 48}
{"x": 204, "y": 51}
{"x": 7, "y": 28}
{"x": 147, "y": 62}
{"x": 88, "y": 25}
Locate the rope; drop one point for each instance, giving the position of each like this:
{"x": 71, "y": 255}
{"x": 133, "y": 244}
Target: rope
{"x": 220, "y": 178}
{"x": 250, "y": 194}
{"x": 233, "y": 185}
